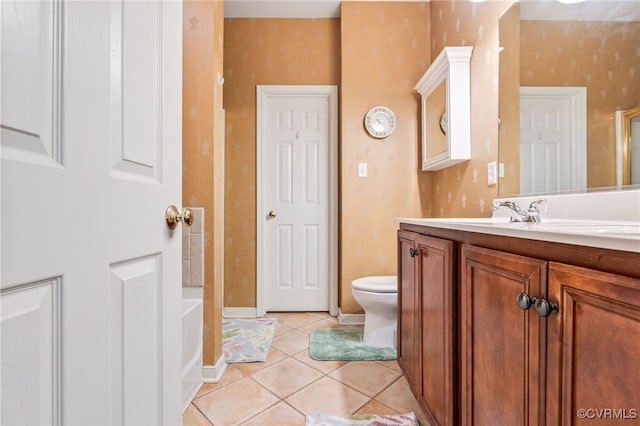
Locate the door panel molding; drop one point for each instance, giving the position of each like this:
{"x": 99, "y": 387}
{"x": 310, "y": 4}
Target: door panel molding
{"x": 31, "y": 357}
{"x": 136, "y": 92}
{"x": 32, "y": 81}
{"x": 285, "y": 118}
{"x": 136, "y": 339}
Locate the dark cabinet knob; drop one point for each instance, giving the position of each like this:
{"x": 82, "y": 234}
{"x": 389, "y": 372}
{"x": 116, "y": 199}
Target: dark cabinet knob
{"x": 544, "y": 308}
{"x": 525, "y": 301}
{"x": 413, "y": 252}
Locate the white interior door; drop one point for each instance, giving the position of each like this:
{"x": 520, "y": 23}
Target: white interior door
{"x": 91, "y": 158}
{"x": 552, "y": 139}
{"x": 297, "y": 126}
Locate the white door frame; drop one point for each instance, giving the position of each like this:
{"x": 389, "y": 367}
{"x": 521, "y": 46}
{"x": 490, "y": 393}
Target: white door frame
{"x": 577, "y": 97}
{"x": 263, "y": 92}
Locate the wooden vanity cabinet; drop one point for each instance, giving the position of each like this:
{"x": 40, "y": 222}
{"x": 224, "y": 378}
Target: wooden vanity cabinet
{"x": 426, "y": 302}
{"x": 593, "y": 347}
{"x": 514, "y": 366}
{"x": 501, "y": 345}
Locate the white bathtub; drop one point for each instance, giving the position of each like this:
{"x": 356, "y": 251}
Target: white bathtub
{"x": 191, "y": 349}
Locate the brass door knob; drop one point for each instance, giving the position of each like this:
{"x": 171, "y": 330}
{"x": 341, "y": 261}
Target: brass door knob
{"x": 172, "y": 216}
{"x": 272, "y": 214}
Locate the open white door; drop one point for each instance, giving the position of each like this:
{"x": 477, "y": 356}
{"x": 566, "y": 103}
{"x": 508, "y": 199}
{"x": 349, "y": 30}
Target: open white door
{"x": 91, "y": 158}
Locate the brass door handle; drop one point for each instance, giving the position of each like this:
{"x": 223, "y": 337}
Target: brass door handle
{"x": 172, "y": 216}
{"x": 271, "y": 214}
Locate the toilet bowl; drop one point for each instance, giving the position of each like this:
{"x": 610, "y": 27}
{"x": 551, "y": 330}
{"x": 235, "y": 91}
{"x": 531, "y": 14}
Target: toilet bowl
{"x": 378, "y": 296}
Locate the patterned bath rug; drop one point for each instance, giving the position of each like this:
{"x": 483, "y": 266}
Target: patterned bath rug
{"x": 247, "y": 340}
{"x": 345, "y": 344}
{"x": 408, "y": 419}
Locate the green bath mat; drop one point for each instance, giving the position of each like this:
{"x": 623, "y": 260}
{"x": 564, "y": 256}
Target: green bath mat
{"x": 345, "y": 344}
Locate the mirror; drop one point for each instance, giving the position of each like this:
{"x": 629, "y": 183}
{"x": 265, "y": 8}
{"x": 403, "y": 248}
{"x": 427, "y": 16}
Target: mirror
{"x": 446, "y": 109}
{"x": 565, "y": 69}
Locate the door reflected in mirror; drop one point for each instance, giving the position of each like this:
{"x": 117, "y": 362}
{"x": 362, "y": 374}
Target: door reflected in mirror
{"x": 590, "y": 46}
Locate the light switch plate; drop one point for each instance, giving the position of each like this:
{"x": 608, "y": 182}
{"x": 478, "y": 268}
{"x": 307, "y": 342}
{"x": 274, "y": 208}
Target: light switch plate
{"x": 492, "y": 173}
{"x": 362, "y": 169}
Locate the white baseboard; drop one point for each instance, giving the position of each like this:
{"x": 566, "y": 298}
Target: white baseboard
{"x": 213, "y": 373}
{"x": 350, "y": 319}
{"x": 239, "y": 313}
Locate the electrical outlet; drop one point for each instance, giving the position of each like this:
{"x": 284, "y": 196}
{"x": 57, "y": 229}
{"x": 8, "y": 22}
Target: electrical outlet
{"x": 362, "y": 169}
{"x": 500, "y": 170}
{"x": 492, "y": 173}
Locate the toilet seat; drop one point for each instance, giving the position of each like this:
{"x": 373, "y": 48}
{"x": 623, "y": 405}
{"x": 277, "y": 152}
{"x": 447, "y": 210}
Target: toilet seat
{"x": 379, "y": 284}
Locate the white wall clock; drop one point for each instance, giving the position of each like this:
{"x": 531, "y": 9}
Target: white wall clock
{"x": 380, "y": 122}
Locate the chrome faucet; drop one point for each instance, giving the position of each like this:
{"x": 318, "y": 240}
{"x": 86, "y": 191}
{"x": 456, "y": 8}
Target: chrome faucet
{"x": 531, "y": 215}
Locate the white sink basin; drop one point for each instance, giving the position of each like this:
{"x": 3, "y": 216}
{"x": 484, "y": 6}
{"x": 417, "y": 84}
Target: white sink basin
{"x": 622, "y": 228}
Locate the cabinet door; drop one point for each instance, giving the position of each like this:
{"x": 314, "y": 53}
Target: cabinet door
{"x": 408, "y": 310}
{"x": 436, "y": 281}
{"x": 593, "y": 350}
{"x": 500, "y": 344}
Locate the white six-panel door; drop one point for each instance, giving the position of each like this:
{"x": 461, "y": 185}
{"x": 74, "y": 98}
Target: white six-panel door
{"x": 295, "y": 212}
{"x": 91, "y": 158}
{"x": 552, "y": 139}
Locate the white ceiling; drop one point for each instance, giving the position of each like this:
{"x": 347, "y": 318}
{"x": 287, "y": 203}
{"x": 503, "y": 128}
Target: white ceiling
{"x": 282, "y": 8}
{"x": 609, "y": 10}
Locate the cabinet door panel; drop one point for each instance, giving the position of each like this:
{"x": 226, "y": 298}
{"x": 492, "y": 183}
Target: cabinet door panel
{"x": 408, "y": 311}
{"x": 500, "y": 343}
{"x": 435, "y": 273}
{"x": 593, "y": 347}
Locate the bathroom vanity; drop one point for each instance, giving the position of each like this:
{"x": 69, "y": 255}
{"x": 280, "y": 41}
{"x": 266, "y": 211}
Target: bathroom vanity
{"x": 518, "y": 324}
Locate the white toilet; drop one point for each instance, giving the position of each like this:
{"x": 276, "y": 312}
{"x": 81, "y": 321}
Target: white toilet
{"x": 378, "y": 296}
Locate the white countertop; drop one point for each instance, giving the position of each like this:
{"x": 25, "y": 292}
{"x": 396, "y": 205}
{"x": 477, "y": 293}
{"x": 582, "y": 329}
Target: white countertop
{"x": 616, "y": 235}
{"x": 604, "y": 219}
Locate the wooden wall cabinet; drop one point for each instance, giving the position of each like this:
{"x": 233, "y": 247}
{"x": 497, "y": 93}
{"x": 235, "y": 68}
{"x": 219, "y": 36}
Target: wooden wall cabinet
{"x": 511, "y": 362}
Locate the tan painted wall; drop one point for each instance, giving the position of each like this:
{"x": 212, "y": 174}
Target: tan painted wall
{"x": 385, "y": 50}
{"x": 602, "y": 56}
{"x": 202, "y": 149}
{"x": 376, "y": 52}
{"x": 462, "y": 190}
{"x": 262, "y": 51}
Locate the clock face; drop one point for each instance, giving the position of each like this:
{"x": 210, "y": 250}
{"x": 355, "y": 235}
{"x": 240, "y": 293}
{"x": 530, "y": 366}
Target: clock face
{"x": 380, "y": 122}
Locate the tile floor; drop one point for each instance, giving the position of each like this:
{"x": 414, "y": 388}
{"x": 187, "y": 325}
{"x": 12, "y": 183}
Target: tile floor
{"x": 290, "y": 385}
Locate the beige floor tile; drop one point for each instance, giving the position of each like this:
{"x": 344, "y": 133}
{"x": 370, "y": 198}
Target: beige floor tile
{"x": 376, "y": 407}
{"x": 368, "y": 377}
{"x": 393, "y": 364}
{"x": 291, "y": 342}
{"x": 322, "y": 366}
{"x": 280, "y": 414}
{"x": 282, "y": 329}
{"x": 231, "y": 374}
{"x": 329, "y": 322}
{"x": 193, "y": 417}
{"x": 285, "y": 377}
{"x": 236, "y": 402}
{"x": 327, "y": 396}
{"x": 250, "y": 368}
{"x": 300, "y": 319}
{"x": 399, "y": 397}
